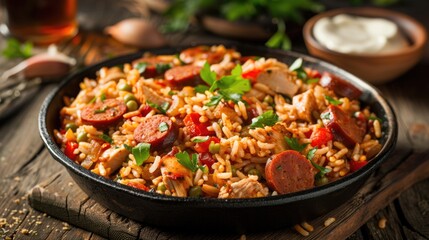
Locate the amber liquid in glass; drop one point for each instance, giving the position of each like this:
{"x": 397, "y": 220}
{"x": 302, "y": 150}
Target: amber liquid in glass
{"x": 40, "y": 21}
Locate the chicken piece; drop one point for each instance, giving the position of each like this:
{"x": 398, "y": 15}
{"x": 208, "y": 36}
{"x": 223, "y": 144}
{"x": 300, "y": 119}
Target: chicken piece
{"x": 145, "y": 93}
{"x": 113, "y": 158}
{"x": 306, "y": 105}
{"x": 278, "y": 135}
{"x": 176, "y": 177}
{"x": 221, "y": 108}
{"x": 245, "y": 188}
{"x": 279, "y": 81}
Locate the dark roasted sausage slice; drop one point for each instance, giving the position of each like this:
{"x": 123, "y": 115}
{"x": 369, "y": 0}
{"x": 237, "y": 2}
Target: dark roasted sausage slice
{"x": 183, "y": 75}
{"x": 288, "y": 172}
{"x": 158, "y": 130}
{"x": 104, "y": 113}
{"x": 199, "y": 53}
{"x": 339, "y": 86}
{"x": 343, "y": 127}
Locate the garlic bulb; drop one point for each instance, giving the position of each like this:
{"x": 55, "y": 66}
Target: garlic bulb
{"x": 136, "y": 32}
{"x": 47, "y": 65}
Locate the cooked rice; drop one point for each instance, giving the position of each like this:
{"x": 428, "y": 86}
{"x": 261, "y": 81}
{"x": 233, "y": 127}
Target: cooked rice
{"x": 240, "y": 150}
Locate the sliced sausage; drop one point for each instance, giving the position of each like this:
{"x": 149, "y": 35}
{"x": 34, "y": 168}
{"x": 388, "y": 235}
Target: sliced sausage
{"x": 288, "y": 172}
{"x": 340, "y": 86}
{"x": 183, "y": 75}
{"x": 104, "y": 113}
{"x": 151, "y": 63}
{"x": 153, "y": 131}
{"x": 343, "y": 127}
{"x": 198, "y": 53}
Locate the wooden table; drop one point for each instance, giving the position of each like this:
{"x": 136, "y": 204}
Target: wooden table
{"x": 25, "y": 162}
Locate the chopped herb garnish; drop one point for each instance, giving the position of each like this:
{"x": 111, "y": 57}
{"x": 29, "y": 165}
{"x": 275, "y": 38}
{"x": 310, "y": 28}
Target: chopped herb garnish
{"x": 103, "y": 97}
{"x": 313, "y": 80}
{"x": 189, "y": 162}
{"x": 14, "y": 49}
{"x": 141, "y": 67}
{"x": 201, "y": 88}
{"x": 161, "y": 108}
{"x": 230, "y": 87}
{"x": 268, "y": 118}
{"x": 141, "y": 153}
{"x": 162, "y": 67}
{"x": 171, "y": 93}
{"x": 200, "y": 139}
{"x": 130, "y": 149}
{"x": 322, "y": 170}
{"x": 372, "y": 117}
{"x": 325, "y": 116}
{"x": 295, "y": 145}
{"x": 163, "y": 127}
{"x": 106, "y": 138}
{"x": 332, "y": 100}
{"x": 299, "y": 69}
{"x": 101, "y": 110}
{"x": 92, "y": 100}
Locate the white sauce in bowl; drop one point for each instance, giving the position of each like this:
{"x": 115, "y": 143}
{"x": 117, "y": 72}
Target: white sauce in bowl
{"x": 359, "y": 35}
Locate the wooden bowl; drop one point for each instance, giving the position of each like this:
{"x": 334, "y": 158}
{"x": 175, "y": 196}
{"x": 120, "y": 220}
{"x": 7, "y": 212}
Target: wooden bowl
{"x": 373, "y": 68}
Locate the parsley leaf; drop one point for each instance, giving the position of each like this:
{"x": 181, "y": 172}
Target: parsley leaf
{"x": 268, "y": 118}
{"x": 14, "y": 49}
{"x": 313, "y": 80}
{"x": 141, "y": 153}
{"x": 299, "y": 69}
{"x": 106, "y": 138}
{"x": 103, "y": 97}
{"x": 141, "y": 67}
{"x": 161, "y": 108}
{"x": 295, "y": 145}
{"x": 163, "y": 127}
{"x": 201, "y": 88}
{"x": 230, "y": 87}
{"x": 189, "y": 162}
{"x": 332, "y": 100}
{"x": 200, "y": 139}
{"x": 101, "y": 110}
{"x": 129, "y": 149}
{"x": 322, "y": 170}
{"x": 162, "y": 67}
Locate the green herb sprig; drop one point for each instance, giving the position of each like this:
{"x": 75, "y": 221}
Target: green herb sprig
{"x": 189, "y": 162}
{"x": 294, "y": 144}
{"x": 268, "y": 118}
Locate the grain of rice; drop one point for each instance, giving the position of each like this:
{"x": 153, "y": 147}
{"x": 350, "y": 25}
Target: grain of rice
{"x": 339, "y": 145}
{"x": 242, "y": 109}
{"x": 329, "y": 221}
{"x": 341, "y": 153}
{"x": 377, "y": 128}
{"x": 240, "y": 174}
{"x": 225, "y": 175}
{"x": 126, "y": 171}
{"x": 265, "y": 145}
{"x": 227, "y": 132}
{"x": 210, "y": 190}
{"x": 369, "y": 144}
{"x": 301, "y": 230}
{"x": 322, "y": 151}
{"x": 156, "y": 164}
{"x": 356, "y": 149}
{"x": 221, "y": 168}
{"x": 101, "y": 170}
{"x": 339, "y": 162}
{"x": 135, "y": 173}
{"x": 307, "y": 226}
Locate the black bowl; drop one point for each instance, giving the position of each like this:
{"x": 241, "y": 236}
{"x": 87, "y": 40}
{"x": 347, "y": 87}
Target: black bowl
{"x": 226, "y": 214}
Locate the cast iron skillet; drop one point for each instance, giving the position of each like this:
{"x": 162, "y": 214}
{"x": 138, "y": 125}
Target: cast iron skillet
{"x": 226, "y": 214}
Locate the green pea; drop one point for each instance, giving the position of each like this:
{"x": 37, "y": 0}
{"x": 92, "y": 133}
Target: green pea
{"x": 268, "y": 99}
{"x": 161, "y": 187}
{"x": 124, "y": 87}
{"x": 129, "y": 97}
{"x": 71, "y": 126}
{"x": 214, "y": 147}
{"x": 82, "y": 137}
{"x": 132, "y": 105}
{"x": 254, "y": 171}
{"x": 321, "y": 181}
{"x": 195, "y": 191}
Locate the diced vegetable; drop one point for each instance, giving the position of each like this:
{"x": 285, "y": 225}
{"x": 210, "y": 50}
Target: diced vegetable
{"x": 195, "y": 127}
{"x": 71, "y": 146}
{"x": 203, "y": 147}
{"x": 321, "y": 137}
{"x": 356, "y": 165}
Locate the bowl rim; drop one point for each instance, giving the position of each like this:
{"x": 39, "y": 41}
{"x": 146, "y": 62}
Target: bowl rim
{"x": 417, "y": 45}
{"x": 277, "y": 200}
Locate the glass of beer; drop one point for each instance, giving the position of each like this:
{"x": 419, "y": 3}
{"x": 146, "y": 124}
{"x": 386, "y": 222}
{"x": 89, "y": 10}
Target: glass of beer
{"x": 39, "y": 21}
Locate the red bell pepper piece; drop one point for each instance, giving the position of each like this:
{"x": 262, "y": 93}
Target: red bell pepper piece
{"x": 195, "y": 127}
{"x": 204, "y": 146}
{"x": 69, "y": 150}
{"x": 356, "y": 165}
{"x": 138, "y": 186}
{"x": 252, "y": 75}
{"x": 206, "y": 159}
{"x": 321, "y": 137}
